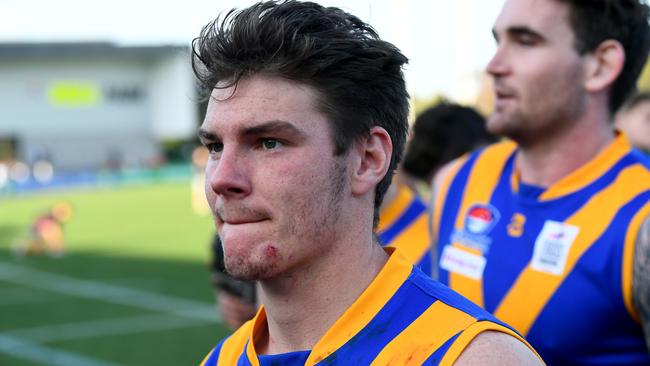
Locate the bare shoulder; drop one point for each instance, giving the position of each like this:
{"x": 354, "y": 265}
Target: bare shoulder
{"x": 641, "y": 277}
{"x": 441, "y": 174}
{"x": 497, "y": 349}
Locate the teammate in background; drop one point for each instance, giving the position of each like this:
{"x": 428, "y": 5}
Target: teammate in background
{"x": 439, "y": 135}
{"x": 634, "y": 120}
{"x": 305, "y": 124}
{"x": 236, "y": 299}
{"x": 551, "y": 232}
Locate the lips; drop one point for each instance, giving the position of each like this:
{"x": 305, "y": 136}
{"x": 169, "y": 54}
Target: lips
{"x": 239, "y": 215}
{"x": 503, "y": 92}
{"x": 241, "y": 221}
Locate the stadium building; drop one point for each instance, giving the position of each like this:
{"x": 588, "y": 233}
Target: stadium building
{"x": 88, "y": 106}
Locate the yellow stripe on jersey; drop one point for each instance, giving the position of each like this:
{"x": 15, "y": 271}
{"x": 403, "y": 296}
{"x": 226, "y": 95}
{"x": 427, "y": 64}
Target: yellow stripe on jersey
{"x": 401, "y": 351}
{"x": 465, "y": 338}
{"x": 628, "y": 256}
{"x": 535, "y": 288}
{"x": 359, "y": 314}
{"x": 488, "y": 174}
{"x": 589, "y": 172}
{"x": 391, "y": 213}
{"x": 231, "y": 348}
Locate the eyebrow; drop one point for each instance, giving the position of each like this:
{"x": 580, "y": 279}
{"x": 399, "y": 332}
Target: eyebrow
{"x": 206, "y": 135}
{"x": 520, "y": 31}
{"x": 275, "y": 126}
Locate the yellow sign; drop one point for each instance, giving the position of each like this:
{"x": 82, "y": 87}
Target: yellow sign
{"x": 73, "y": 94}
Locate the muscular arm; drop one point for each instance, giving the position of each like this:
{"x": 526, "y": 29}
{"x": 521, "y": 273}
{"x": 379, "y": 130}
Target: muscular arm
{"x": 641, "y": 277}
{"x": 497, "y": 349}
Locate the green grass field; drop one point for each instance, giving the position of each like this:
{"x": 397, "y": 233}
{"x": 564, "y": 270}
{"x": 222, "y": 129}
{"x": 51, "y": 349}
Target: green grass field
{"x": 132, "y": 289}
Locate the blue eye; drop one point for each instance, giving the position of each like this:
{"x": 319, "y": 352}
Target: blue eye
{"x": 214, "y": 148}
{"x": 270, "y": 144}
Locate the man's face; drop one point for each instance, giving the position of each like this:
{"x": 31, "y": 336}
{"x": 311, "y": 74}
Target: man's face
{"x": 272, "y": 180}
{"x": 537, "y": 72}
{"x": 635, "y": 123}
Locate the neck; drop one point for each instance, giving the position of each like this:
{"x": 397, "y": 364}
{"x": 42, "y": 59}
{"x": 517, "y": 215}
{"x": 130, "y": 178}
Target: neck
{"x": 303, "y": 305}
{"x": 544, "y": 162}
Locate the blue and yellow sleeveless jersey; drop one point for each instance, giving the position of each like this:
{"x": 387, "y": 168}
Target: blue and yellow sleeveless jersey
{"x": 404, "y": 224}
{"x": 403, "y": 318}
{"x": 555, "y": 263}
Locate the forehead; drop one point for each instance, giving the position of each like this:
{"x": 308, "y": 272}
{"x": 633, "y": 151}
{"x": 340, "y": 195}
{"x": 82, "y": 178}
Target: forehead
{"x": 545, "y": 16}
{"x": 260, "y": 99}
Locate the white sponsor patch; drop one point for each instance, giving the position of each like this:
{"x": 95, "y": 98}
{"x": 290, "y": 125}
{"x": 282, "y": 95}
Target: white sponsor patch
{"x": 552, "y": 247}
{"x": 462, "y": 262}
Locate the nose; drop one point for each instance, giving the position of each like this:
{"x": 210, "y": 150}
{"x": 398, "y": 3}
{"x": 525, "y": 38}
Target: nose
{"x": 227, "y": 176}
{"x": 498, "y": 65}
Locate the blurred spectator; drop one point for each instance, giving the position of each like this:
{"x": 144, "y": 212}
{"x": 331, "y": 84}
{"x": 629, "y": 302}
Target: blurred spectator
{"x": 439, "y": 135}
{"x": 199, "y": 159}
{"x": 634, "y": 120}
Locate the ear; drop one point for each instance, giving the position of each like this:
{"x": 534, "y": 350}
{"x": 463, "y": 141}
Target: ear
{"x": 372, "y": 161}
{"x": 604, "y": 66}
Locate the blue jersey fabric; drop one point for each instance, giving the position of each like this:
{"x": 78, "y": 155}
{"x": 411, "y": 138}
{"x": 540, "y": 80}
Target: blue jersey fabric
{"x": 555, "y": 263}
{"x": 403, "y": 317}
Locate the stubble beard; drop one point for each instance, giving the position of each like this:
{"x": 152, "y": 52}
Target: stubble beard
{"x": 322, "y": 222}
{"x": 537, "y": 123}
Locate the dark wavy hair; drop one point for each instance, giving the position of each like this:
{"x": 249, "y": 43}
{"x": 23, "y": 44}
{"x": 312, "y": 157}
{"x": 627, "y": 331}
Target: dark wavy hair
{"x": 357, "y": 76}
{"x": 441, "y": 134}
{"x": 626, "y": 21}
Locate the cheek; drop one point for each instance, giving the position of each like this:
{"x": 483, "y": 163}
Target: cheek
{"x": 209, "y": 194}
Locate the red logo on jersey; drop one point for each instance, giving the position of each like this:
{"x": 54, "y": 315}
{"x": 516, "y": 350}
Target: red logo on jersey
{"x": 481, "y": 218}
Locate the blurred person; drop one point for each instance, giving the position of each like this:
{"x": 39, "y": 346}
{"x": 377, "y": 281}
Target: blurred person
{"x": 236, "y": 299}
{"x": 46, "y": 235}
{"x": 551, "y": 231}
{"x": 634, "y": 120}
{"x": 440, "y": 134}
{"x": 199, "y": 159}
{"x": 305, "y": 124}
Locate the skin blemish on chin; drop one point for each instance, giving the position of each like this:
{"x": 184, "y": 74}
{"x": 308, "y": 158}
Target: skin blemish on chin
{"x": 270, "y": 251}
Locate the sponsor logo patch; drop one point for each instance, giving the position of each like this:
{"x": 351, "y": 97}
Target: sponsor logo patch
{"x": 462, "y": 262}
{"x": 552, "y": 247}
{"x": 479, "y": 221}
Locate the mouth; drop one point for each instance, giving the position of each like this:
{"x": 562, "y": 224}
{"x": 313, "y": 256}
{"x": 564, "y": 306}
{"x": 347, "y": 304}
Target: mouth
{"x": 234, "y": 216}
{"x": 242, "y": 221}
{"x": 503, "y": 95}
{"x": 502, "y": 98}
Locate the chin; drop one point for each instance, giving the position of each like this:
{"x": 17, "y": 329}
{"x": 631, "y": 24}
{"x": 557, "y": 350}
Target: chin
{"x": 249, "y": 270}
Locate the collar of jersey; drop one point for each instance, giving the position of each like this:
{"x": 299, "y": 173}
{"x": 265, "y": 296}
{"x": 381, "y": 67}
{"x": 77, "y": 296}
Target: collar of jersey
{"x": 355, "y": 318}
{"x": 584, "y": 175}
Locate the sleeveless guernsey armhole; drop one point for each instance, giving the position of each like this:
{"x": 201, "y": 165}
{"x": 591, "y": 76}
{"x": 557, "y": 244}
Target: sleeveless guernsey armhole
{"x": 628, "y": 258}
{"x": 468, "y": 335}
